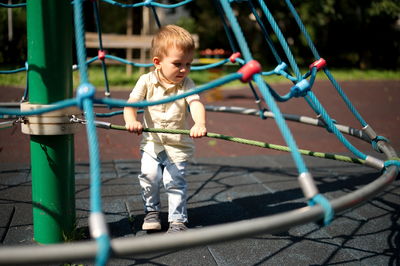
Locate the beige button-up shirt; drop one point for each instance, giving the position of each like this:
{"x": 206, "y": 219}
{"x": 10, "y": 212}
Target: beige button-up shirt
{"x": 172, "y": 115}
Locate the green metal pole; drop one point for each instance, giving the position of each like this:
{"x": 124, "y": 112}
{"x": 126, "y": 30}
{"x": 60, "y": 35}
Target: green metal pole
{"x": 49, "y": 26}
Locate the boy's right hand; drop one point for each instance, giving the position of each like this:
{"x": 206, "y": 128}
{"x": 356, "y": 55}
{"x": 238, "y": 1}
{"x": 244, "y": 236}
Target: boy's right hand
{"x": 134, "y": 127}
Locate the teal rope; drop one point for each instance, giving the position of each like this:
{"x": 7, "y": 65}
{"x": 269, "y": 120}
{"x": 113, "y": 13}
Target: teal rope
{"x": 13, "y": 71}
{"x": 85, "y": 94}
{"x": 147, "y": 3}
{"x": 303, "y": 29}
{"x": 281, "y": 38}
{"x": 328, "y": 121}
{"x": 329, "y": 213}
{"x": 316, "y": 56}
{"x": 245, "y": 51}
{"x": 54, "y": 106}
{"x": 128, "y": 62}
{"x": 393, "y": 162}
{"x": 99, "y": 33}
{"x": 104, "y": 253}
{"x": 344, "y": 97}
{"x": 80, "y": 41}
{"x": 287, "y": 135}
{"x": 208, "y": 66}
{"x": 156, "y": 16}
{"x": 142, "y": 104}
{"x": 265, "y": 92}
{"x": 265, "y": 33}
{"x": 13, "y": 5}
{"x": 103, "y": 241}
{"x": 227, "y": 28}
{"x": 375, "y": 141}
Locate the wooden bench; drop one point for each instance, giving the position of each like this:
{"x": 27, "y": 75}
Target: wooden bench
{"x": 118, "y": 41}
{"x": 128, "y": 42}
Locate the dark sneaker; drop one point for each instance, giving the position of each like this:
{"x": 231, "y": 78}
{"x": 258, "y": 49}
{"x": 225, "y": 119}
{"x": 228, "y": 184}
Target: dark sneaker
{"x": 176, "y": 227}
{"x": 152, "y": 221}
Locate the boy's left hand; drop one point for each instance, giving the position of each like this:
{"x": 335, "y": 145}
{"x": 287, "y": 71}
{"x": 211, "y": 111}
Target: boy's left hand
{"x": 198, "y": 131}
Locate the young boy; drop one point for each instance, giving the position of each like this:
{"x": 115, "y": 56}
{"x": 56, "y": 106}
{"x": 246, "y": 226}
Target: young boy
{"x": 165, "y": 156}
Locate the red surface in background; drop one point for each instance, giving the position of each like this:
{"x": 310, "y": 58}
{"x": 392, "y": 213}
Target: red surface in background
{"x": 377, "y": 101}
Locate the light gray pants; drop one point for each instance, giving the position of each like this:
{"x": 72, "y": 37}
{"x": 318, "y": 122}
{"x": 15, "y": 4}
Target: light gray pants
{"x": 160, "y": 169}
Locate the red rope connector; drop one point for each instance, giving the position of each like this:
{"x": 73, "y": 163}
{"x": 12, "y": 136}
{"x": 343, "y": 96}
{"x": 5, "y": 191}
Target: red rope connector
{"x": 101, "y": 54}
{"x": 248, "y": 70}
{"x": 320, "y": 63}
{"x": 234, "y": 56}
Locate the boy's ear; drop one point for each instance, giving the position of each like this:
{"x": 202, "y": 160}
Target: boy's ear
{"x": 156, "y": 62}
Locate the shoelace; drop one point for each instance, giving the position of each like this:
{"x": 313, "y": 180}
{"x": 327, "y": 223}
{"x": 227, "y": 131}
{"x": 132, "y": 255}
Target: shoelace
{"x": 177, "y": 227}
{"x": 151, "y": 216}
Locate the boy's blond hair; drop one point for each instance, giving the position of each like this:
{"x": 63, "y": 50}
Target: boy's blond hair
{"x": 171, "y": 36}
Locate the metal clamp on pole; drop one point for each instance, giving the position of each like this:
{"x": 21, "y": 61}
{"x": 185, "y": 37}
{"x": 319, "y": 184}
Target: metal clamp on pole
{"x": 370, "y": 132}
{"x": 51, "y": 123}
{"x": 307, "y": 185}
{"x": 374, "y": 162}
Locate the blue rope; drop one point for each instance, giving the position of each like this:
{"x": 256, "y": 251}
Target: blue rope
{"x": 281, "y": 39}
{"x": 329, "y": 122}
{"x": 245, "y": 51}
{"x": 55, "y": 106}
{"x": 316, "y": 55}
{"x": 374, "y": 143}
{"x": 303, "y": 29}
{"x": 99, "y": 33}
{"x": 329, "y": 213}
{"x": 80, "y": 41}
{"x": 344, "y": 97}
{"x": 280, "y": 121}
{"x": 118, "y": 103}
{"x": 103, "y": 241}
{"x": 128, "y": 62}
{"x": 104, "y": 247}
{"x": 265, "y": 33}
{"x": 208, "y": 66}
{"x": 147, "y": 3}
{"x": 156, "y": 16}
{"x": 13, "y": 71}
{"x": 13, "y": 5}
{"x": 109, "y": 114}
{"x": 142, "y": 104}
{"x": 395, "y": 162}
{"x": 227, "y": 28}
{"x": 84, "y": 99}
{"x": 265, "y": 91}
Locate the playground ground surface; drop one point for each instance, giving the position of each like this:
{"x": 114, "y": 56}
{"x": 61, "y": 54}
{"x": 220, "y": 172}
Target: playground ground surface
{"x": 230, "y": 182}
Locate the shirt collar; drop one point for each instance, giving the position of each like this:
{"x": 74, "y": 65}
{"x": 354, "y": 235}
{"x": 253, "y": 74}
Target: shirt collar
{"x": 154, "y": 80}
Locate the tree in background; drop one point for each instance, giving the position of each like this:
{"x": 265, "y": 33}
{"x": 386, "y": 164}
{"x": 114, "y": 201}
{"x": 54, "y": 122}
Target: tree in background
{"x": 356, "y": 33}
{"x": 13, "y": 44}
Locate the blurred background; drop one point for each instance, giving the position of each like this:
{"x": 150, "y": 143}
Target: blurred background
{"x": 350, "y": 34}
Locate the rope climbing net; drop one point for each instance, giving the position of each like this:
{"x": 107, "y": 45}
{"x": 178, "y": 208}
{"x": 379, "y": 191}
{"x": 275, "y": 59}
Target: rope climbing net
{"x": 250, "y": 72}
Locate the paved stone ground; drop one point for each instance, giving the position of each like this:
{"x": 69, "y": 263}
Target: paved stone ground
{"x": 230, "y": 182}
{"x": 225, "y": 190}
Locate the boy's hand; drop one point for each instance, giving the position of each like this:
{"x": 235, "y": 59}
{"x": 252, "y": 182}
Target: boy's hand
{"x": 135, "y": 127}
{"x": 198, "y": 131}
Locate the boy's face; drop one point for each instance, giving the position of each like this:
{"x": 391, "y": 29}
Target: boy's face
{"x": 174, "y": 66}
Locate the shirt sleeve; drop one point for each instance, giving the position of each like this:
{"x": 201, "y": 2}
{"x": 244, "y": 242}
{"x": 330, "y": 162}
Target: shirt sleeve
{"x": 189, "y": 85}
{"x": 139, "y": 91}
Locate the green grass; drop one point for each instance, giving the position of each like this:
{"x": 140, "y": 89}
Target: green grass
{"x": 118, "y": 79}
